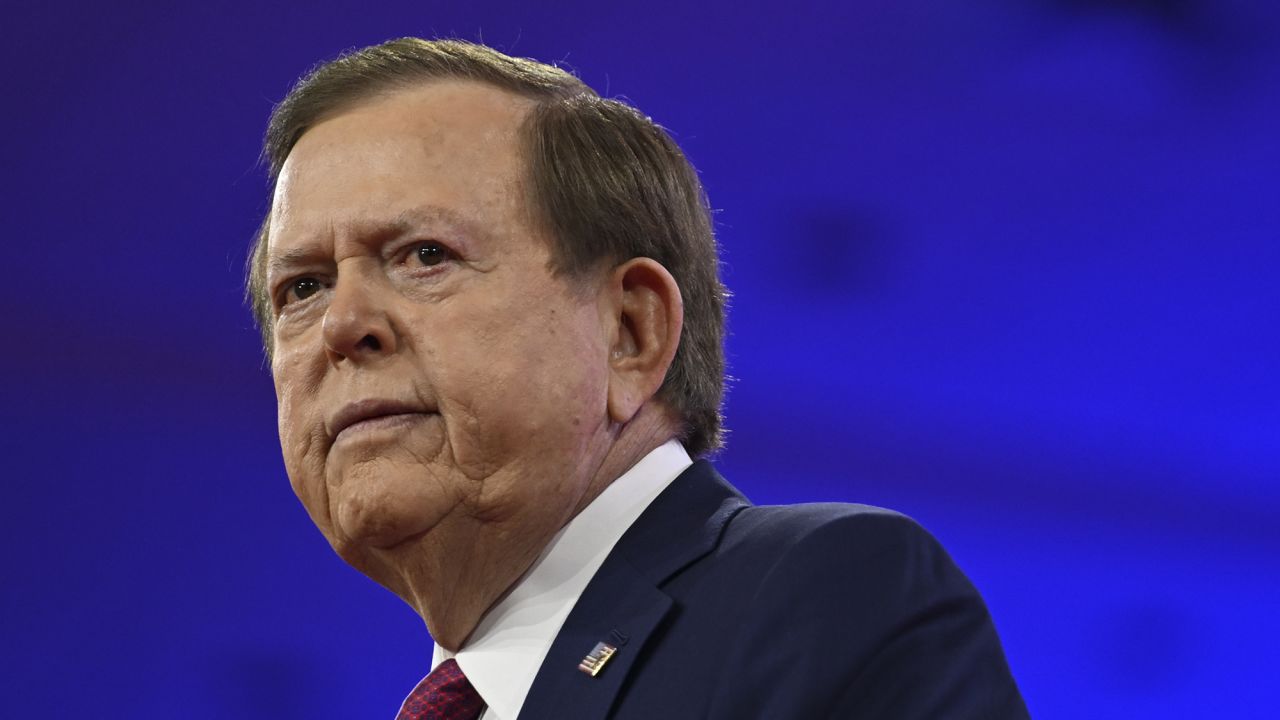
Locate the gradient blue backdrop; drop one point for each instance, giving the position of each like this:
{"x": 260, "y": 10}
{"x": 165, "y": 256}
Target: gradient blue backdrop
{"x": 1008, "y": 266}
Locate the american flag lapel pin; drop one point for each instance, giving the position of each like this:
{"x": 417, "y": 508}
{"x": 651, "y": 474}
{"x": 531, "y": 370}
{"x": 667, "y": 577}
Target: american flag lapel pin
{"x": 595, "y": 660}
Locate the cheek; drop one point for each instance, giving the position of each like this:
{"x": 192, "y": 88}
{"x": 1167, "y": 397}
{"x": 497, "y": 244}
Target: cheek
{"x": 297, "y": 382}
{"x": 295, "y": 408}
{"x": 543, "y": 379}
{"x": 296, "y": 397}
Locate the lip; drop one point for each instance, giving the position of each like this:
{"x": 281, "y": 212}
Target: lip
{"x": 371, "y": 409}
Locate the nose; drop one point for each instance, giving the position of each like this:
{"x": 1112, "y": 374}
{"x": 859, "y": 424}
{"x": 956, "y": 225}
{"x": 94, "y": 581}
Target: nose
{"x": 356, "y": 325}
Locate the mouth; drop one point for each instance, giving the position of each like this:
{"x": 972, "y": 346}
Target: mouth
{"x": 372, "y": 414}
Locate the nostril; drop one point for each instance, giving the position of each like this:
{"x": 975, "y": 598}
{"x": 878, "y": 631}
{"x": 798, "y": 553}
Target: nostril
{"x": 370, "y": 342}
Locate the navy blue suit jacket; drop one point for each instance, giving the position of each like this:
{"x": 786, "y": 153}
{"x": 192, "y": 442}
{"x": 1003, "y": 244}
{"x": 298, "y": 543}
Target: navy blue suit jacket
{"x": 721, "y": 609}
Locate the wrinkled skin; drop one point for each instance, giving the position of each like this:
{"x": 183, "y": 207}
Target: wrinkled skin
{"x": 406, "y": 272}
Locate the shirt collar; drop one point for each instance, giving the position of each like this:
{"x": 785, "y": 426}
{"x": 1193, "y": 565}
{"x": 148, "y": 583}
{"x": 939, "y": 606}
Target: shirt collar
{"x": 503, "y": 654}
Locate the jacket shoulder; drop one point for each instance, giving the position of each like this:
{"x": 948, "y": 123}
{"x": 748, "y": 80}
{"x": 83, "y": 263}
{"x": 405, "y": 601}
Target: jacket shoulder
{"x": 862, "y": 611}
{"x": 835, "y": 534}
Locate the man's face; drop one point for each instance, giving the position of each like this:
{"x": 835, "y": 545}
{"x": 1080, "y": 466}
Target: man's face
{"x": 433, "y": 377}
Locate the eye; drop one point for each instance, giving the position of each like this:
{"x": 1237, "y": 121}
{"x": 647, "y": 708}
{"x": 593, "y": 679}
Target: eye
{"x": 301, "y": 289}
{"x": 431, "y": 253}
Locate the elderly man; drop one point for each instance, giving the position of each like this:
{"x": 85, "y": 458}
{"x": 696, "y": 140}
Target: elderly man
{"x": 494, "y": 318}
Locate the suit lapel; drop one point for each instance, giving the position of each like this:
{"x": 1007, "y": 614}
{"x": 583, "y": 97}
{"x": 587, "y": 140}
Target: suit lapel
{"x": 618, "y": 608}
{"x": 624, "y": 603}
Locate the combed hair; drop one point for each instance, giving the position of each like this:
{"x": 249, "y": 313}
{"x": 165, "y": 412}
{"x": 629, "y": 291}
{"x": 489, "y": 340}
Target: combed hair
{"x": 605, "y": 180}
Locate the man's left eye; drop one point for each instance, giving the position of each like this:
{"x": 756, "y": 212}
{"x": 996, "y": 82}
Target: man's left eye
{"x": 431, "y": 254}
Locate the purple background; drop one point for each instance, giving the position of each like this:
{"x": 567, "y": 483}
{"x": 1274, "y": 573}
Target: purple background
{"x": 1008, "y": 266}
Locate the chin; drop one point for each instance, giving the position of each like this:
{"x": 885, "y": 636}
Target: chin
{"x": 376, "y": 528}
{"x": 389, "y": 510}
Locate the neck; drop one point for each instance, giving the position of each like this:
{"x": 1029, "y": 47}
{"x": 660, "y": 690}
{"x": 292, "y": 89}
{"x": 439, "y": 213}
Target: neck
{"x": 471, "y": 562}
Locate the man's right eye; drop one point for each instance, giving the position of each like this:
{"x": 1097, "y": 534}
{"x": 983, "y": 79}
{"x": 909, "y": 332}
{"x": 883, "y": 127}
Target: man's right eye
{"x": 301, "y": 289}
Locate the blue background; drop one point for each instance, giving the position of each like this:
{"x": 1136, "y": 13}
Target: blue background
{"x": 1008, "y": 266}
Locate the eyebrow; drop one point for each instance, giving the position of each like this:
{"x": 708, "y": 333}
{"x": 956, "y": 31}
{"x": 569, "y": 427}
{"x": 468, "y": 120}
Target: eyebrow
{"x": 286, "y": 261}
{"x": 413, "y": 217}
{"x": 404, "y": 223}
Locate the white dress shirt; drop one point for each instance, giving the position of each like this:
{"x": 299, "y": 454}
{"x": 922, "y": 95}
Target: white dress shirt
{"x": 503, "y": 654}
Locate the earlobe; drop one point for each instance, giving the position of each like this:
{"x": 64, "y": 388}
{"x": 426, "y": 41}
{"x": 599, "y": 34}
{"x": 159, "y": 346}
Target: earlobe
{"x": 649, "y": 316}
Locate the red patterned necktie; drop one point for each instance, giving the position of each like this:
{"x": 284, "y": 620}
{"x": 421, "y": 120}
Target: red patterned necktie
{"x": 445, "y": 694}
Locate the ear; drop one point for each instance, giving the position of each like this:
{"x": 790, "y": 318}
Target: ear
{"x": 645, "y": 315}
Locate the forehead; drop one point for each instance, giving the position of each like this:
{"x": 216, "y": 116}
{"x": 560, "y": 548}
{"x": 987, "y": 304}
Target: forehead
{"x": 450, "y": 144}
